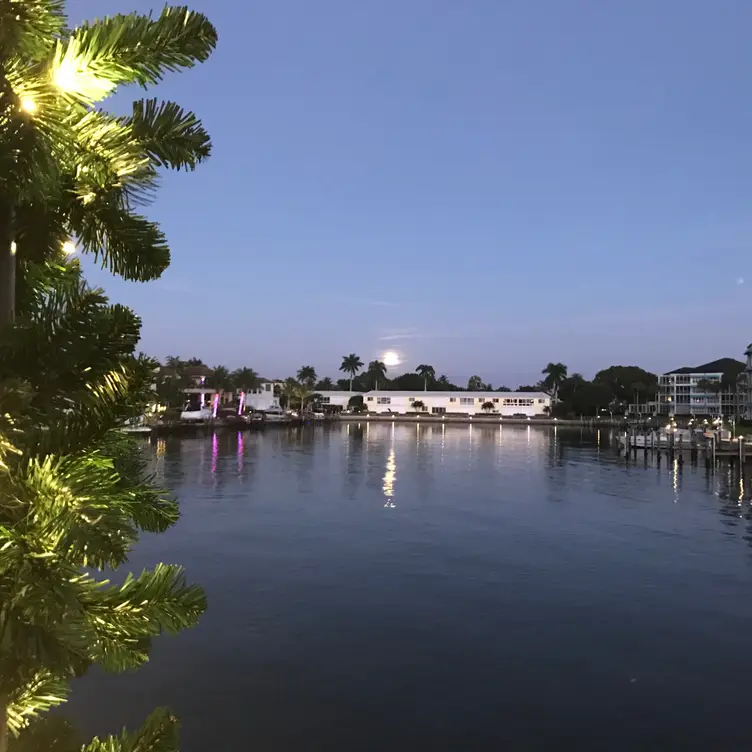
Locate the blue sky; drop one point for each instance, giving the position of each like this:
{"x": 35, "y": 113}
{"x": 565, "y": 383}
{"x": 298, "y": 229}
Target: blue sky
{"x": 484, "y": 186}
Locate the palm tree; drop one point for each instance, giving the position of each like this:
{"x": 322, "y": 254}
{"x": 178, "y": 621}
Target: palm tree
{"x": 303, "y": 394}
{"x": 173, "y": 361}
{"x": 289, "y": 392}
{"x": 378, "y": 370}
{"x": 443, "y": 381}
{"x": 221, "y": 379}
{"x": 555, "y": 374}
{"x": 245, "y": 379}
{"x": 419, "y": 406}
{"x": 427, "y": 372}
{"x": 351, "y": 364}
{"x": 325, "y": 385}
{"x": 307, "y": 376}
{"x": 474, "y": 384}
{"x": 487, "y": 407}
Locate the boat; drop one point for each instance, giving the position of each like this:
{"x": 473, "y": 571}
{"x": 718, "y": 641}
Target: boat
{"x": 275, "y": 415}
{"x": 195, "y": 414}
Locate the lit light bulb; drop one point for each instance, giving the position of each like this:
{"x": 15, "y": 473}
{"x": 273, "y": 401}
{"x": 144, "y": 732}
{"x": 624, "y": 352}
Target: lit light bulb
{"x": 28, "y": 105}
{"x": 69, "y": 247}
{"x": 13, "y": 247}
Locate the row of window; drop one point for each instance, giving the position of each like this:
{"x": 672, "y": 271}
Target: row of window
{"x": 507, "y": 401}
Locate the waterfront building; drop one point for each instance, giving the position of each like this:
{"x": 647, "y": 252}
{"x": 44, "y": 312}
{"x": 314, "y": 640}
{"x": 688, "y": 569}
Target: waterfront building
{"x": 199, "y": 394}
{"x": 334, "y": 400}
{"x": 264, "y": 397}
{"x": 504, "y": 404}
{"x": 711, "y": 389}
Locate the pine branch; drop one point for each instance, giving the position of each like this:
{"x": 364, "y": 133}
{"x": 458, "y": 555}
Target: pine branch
{"x": 42, "y": 692}
{"x": 28, "y": 27}
{"x": 160, "y": 733}
{"x": 171, "y": 136}
{"x": 133, "y": 48}
{"x": 127, "y": 244}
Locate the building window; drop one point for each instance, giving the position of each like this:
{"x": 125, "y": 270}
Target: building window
{"x": 325, "y": 400}
{"x": 369, "y": 399}
{"x": 540, "y": 401}
{"x": 467, "y": 400}
{"x": 411, "y": 399}
{"x": 438, "y": 410}
{"x": 383, "y": 400}
{"x": 495, "y": 399}
{"x": 268, "y": 387}
{"x": 452, "y": 399}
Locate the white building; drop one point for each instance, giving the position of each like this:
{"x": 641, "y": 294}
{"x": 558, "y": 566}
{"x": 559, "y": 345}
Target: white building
{"x": 264, "y": 397}
{"x": 334, "y": 400}
{"x": 505, "y": 404}
{"x": 700, "y": 390}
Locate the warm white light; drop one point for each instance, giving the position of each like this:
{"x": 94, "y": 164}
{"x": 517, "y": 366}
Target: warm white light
{"x": 69, "y": 247}
{"x": 28, "y": 105}
{"x": 391, "y": 358}
{"x": 13, "y": 247}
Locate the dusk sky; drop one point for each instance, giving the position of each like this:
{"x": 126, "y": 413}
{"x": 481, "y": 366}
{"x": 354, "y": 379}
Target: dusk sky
{"x": 484, "y": 186}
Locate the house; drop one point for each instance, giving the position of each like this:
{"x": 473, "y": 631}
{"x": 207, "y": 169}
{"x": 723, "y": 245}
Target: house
{"x": 709, "y": 389}
{"x": 199, "y": 394}
{"x": 334, "y": 400}
{"x": 264, "y": 397}
{"x": 504, "y": 404}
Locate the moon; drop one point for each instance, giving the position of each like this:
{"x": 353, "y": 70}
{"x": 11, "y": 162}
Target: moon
{"x": 391, "y": 358}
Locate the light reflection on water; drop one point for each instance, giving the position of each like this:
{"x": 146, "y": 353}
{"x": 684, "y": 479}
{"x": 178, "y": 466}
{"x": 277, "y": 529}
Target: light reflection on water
{"x": 530, "y": 589}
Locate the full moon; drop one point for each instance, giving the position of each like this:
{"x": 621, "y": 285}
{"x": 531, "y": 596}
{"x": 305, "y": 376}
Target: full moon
{"x": 390, "y": 358}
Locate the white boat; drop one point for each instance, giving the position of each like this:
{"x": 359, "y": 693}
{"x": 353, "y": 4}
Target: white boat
{"x": 275, "y": 415}
{"x": 195, "y": 415}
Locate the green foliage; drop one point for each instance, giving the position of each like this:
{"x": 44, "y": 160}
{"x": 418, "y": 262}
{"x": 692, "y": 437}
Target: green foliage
{"x": 67, "y": 169}
{"x": 628, "y": 383}
{"x": 351, "y": 364}
{"x": 555, "y": 374}
{"x": 73, "y": 500}
{"x": 245, "y": 379}
{"x": 307, "y": 376}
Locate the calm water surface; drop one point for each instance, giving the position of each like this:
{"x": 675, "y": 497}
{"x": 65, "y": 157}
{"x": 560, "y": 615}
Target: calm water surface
{"x": 400, "y": 587}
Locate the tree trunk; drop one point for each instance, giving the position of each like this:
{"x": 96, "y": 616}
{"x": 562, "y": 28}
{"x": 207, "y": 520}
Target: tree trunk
{"x": 7, "y": 266}
{"x": 3, "y": 724}
{"x": 351, "y": 381}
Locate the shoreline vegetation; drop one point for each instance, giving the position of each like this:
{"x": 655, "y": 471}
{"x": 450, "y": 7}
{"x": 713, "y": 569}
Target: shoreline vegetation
{"x": 608, "y": 394}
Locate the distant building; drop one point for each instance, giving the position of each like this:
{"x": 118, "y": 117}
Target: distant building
{"x": 526, "y": 404}
{"x": 710, "y": 389}
{"x": 264, "y": 397}
{"x": 333, "y": 400}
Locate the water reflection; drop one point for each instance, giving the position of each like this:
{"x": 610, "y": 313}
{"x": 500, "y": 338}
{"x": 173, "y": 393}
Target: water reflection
{"x": 390, "y": 476}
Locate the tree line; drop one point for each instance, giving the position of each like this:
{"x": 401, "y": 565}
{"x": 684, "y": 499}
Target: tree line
{"x": 611, "y": 389}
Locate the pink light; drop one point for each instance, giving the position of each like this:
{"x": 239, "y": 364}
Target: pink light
{"x": 215, "y": 406}
{"x": 241, "y": 403}
{"x": 215, "y": 453}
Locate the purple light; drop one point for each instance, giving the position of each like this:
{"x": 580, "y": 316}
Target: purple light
{"x": 215, "y": 453}
{"x": 241, "y": 403}
{"x": 216, "y": 406}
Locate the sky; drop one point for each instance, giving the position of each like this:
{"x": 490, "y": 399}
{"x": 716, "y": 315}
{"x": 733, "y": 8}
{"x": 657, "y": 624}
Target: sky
{"x": 483, "y": 186}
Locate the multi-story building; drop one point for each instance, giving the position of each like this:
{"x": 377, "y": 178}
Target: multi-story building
{"x": 526, "y": 404}
{"x": 709, "y": 389}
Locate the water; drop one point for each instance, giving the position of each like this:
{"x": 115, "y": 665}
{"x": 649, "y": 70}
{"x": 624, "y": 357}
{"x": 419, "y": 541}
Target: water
{"x": 402, "y": 587}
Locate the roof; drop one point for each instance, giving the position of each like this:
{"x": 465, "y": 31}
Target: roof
{"x": 475, "y": 395}
{"x": 722, "y": 365}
